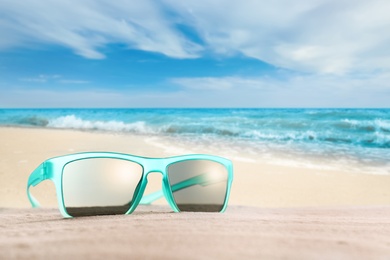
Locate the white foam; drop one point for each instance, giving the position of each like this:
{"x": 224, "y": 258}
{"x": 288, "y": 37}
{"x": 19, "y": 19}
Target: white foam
{"x": 383, "y": 124}
{"x": 377, "y": 124}
{"x": 73, "y": 122}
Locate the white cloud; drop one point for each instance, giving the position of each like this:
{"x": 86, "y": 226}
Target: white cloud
{"x": 283, "y": 90}
{"x": 288, "y": 90}
{"x": 41, "y": 98}
{"x": 85, "y": 26}
{"x": 210, "y": 83}
{"x": 319, "y": 36}
{"x": 73, "y": 81}
{"x": 53, "y": 79}
{"x": 41, "y": 78}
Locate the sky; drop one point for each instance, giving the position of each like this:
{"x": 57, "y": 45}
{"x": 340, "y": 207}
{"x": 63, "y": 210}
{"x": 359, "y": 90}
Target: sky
{"x": 214, "y": 53}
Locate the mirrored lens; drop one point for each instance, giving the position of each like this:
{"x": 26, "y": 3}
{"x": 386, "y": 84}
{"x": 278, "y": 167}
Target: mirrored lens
{"x": 198, "y": 185}
{"x": 100, "y": 186}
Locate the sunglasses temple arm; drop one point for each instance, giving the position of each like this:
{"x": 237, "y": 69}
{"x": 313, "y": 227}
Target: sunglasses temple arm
{"x": 36, "y": 177}
{"x": 197, "y": 180}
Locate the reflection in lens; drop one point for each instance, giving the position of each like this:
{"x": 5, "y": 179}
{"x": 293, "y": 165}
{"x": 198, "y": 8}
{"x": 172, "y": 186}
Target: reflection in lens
{"x": 198, "y": 185}
{"x": 100, "y": 186}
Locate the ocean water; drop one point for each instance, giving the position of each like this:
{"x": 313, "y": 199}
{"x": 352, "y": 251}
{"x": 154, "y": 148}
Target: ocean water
{"x": 359, "y": 137}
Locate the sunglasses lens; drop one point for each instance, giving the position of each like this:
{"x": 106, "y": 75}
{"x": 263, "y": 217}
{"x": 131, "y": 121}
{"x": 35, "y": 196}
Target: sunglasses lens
{"x": 100, "y": 186}
{"x": 198, "y": 185}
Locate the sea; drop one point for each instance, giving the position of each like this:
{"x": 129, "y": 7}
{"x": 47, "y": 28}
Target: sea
{"x": 357, "y": 139}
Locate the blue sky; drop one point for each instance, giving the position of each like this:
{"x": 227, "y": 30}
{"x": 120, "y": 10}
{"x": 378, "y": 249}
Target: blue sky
{"x": 194, "y": 53}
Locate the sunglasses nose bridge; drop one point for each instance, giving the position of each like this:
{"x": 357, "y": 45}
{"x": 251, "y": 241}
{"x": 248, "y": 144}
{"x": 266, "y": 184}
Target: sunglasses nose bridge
{"x": 157, "y": 166}
{"x": 152, "y": 171}
{"x": 154, "y": 166}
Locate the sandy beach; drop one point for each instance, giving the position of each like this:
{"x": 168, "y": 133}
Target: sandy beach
{"x": 275, "y": 211}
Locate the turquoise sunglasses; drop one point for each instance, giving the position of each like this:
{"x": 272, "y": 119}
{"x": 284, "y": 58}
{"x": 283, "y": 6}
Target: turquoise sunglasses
{"x": 104, "y": 183}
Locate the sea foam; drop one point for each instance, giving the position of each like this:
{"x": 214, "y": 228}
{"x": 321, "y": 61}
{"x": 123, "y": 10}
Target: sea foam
{"x": 73, "y": 122}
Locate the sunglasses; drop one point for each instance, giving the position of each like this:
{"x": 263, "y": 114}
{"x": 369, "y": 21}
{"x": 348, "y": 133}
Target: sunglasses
{"x": 104, "y": 183}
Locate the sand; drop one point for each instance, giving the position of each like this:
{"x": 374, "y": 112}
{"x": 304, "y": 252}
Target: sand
{"x": 155, "y": 232}
{"x": 275, "y": 211}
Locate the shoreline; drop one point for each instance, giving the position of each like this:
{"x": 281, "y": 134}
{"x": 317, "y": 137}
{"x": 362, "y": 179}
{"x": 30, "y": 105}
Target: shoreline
{"x": 290, "y": 156}
{"x": 256, "y": 182}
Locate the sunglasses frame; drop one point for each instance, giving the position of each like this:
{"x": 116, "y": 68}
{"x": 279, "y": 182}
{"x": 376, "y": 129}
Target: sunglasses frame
{"x": 52, "y": 169}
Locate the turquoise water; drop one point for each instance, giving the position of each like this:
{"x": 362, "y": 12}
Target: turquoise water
{"x": 360, "y": 134}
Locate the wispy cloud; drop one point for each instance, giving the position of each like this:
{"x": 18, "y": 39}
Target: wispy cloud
{"x": 73, "y": 81}
{"x": 319, "y": 36}
{"x": 322, "y": 53}
{"x": 54, "y": 79}
{"x": 40, "y": 98}
{"x": 289, "y": 90}
{"x": 41, "y": 78}
{"x": 223, "y": 83}
{"x": 87, "y": 26}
